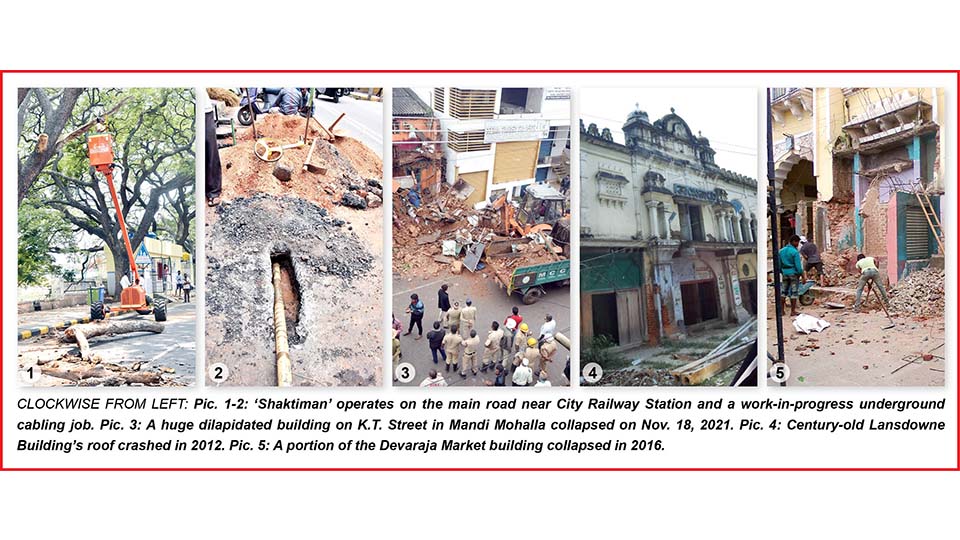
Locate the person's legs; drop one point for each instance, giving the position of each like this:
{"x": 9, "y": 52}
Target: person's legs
{"x": 434, "y": 353}
{"x": 213, "y": 172}
{"x": 419, "y": 320}
{"x": 875, "y": 278}
{"x": 860, "y": 284}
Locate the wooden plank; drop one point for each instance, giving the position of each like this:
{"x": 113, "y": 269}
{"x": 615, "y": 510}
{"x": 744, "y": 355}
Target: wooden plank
{"x": 707, "y": 370}
{"x": 623, "y": 319}
{"x": 633, "y": 307}
{"x": 586, "y": 320}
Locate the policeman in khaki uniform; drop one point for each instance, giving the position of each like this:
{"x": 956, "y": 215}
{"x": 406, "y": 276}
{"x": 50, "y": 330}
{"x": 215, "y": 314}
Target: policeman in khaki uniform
{"x": 470, "y": 346}
{"x": 547, "y": 351}
{"x": 468, "y": 317}
{"x": 451, "y": 345}
{"x": 532, "y": 353}
{"x": 491, "y": 347}
{"x": 520, "y": 340}
{"x": 453, "y": 316}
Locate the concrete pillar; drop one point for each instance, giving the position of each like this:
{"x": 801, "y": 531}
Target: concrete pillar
{"x": 857, "y": 195}
{"x": 654, "y": 218}
{"x": 736, "y": 229}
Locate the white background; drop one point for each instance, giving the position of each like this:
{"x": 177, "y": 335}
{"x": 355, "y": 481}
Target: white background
{"x": 502, "y": 35}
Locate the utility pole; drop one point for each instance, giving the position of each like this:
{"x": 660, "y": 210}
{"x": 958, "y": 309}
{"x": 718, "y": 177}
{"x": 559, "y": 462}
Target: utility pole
{"x": 775, "y": 232}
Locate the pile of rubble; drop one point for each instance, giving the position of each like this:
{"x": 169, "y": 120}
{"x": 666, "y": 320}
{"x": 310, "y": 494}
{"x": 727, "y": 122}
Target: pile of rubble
{"x": 438, "y": 235}
{"x": 920, "y": 294}
{"x": 840, "y": 268}
{"x": 639, "y": 377}
{"x": 345, "y": 172}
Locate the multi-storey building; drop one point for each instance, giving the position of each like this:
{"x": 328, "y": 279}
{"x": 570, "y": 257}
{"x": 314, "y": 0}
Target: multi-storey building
{"x": 849, "y": 163}
{"x": 501, "y": 139}
{"x": 668, "y": 238}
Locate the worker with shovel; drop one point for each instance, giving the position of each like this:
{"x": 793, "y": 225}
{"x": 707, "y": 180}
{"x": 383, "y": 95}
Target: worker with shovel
{"x": 791, "y": 270}
{"x": 869, "y": 274}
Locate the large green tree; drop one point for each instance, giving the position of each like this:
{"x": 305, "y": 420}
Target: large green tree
{"x": 153, "y": 133}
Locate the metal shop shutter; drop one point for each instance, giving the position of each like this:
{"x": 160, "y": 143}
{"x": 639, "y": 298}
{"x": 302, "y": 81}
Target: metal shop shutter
{"x": 918, "y": 234}
{"x": 479, "y": 182}
{"x": 515, "y": 161}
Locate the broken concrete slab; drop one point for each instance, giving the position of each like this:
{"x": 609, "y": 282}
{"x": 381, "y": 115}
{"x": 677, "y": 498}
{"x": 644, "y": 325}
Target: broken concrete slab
{"x": 428, "y": 238}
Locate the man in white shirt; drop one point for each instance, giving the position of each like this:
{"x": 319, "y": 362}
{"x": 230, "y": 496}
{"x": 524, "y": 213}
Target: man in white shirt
{"x": 548, "y": 328}
{"x": 543, "y": 381}
{"x": 434, "y": 379}
{"x": 523, "y": 375}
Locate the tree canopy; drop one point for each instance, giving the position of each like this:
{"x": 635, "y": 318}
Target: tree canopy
{"x": 153, "y": 131}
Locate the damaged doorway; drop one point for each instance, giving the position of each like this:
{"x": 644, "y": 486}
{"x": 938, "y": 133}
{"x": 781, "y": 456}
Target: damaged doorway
{"x": 700, "y": 301}
{"x": 604, "y": 310}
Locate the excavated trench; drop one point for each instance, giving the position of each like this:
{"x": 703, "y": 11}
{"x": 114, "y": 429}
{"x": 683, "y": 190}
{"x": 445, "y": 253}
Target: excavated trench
{"x": 290, "y": 293}
{"x": 320, "y": 260}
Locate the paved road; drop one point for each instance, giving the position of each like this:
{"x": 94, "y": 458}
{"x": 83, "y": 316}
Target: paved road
{"x": 492, "y": 304}
{"x": 364, "y": 120}
{"x": 175, "y": 348}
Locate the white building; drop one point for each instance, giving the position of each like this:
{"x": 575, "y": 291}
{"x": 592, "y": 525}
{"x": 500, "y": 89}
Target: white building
{"x": 668, "y": 238}
{"x": 503, "y": 138}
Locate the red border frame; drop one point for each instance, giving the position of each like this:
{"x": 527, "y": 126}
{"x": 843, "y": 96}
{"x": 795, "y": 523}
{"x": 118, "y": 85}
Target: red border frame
{"x": 471, "y": 469}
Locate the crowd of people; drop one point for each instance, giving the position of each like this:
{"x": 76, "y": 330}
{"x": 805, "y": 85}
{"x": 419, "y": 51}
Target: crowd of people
{"x": 509, "y": 350}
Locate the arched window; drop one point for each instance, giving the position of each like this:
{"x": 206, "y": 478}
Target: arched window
{"x": 753, "y": 227}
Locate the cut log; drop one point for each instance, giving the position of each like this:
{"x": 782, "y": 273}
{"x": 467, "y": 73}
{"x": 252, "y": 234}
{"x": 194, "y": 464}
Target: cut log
{"x": 97, "y": 372}
{"x": 82, "y": 332}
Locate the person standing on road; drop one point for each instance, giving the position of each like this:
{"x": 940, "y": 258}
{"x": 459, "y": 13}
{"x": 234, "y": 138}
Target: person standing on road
{"x": 453, "y": 316}
{"x": 548, "y": 328}
{"x": 179, "y": 291}
{"x": 491, "y": 351}
{"x": 397, "y": 355}
{"x": 523, "y": 376}
{"x": 187, "y": 287}
{"x": 468, "y": 317}
{"x": 435, "y": 337}
{"x": 548, "y": 349}
{"x": 415, "y": 309}
{"x": 443, "y": 302}
{"x": 396, "y": 324}
{"x": 213, "y": 173}
{"x": 809, "y": 251}
{"x": 791, "y": 272}
{"x": 451, "y": 346}
{"x": 434, "y": 379}
{"x": 470, "y": 346}
{"x": 520, "y": 338}
{"x": 532, "y": 355}
{"x": 510, "y": 326}
{"x": 869, "y": 274}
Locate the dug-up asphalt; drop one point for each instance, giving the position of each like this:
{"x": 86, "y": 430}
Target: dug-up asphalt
{"x": 492, "y": 304}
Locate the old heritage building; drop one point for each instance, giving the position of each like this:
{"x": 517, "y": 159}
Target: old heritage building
{"x": 849, "y": 165}
{"x": 668, "y": 238}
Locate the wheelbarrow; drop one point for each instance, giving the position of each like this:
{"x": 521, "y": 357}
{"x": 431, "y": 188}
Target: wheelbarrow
{"x": 806, "y": 295}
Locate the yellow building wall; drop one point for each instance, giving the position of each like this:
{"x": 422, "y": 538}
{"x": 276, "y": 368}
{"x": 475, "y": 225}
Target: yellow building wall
{"x": 823, "y": 158}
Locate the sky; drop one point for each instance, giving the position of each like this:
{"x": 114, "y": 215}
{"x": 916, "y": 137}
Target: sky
{"x": 726, "y": 116}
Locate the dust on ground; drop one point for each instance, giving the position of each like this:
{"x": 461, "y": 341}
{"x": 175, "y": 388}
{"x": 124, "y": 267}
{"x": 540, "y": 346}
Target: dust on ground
{"x": 856, "y": 350}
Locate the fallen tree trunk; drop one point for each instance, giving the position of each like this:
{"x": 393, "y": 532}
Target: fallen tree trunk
{"x": 108, "y": 376}
{"x": 81, "y": 332}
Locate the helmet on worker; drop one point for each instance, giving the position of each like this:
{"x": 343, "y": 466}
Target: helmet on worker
{"x": 532, "y": 342}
